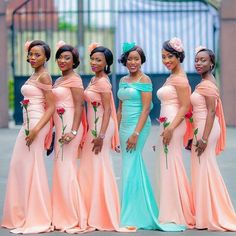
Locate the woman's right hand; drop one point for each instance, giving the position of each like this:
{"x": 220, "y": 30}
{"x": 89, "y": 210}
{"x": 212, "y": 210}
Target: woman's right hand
{"x": 97, "y": 145}
{"x": 131, "y": 142}
{"x": 200, "y": 147}
{"x": 31, "y": 137}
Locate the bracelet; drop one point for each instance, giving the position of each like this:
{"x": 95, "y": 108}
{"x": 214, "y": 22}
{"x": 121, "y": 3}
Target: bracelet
{"x": 101, "y": 136}
{"x": 136, "y": 132}
{"x": 204, "y": 141}
{"x": 74, "y": 132}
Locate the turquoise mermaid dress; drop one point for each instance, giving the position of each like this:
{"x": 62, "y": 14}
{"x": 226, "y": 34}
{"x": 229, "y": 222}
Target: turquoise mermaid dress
{"x": 138, "y": 205}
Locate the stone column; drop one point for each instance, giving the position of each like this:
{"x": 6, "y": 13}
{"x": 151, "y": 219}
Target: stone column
{"x": 228, "y": 59}
{"x": 3, "y": 68}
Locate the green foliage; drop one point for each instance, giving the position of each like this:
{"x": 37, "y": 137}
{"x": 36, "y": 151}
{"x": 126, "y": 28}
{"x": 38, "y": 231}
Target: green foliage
{"x": 94, "y": 133}
{"x": 11, "y": 94}
{"x": 66, "y": 26}
{"x": 96, "y": 120}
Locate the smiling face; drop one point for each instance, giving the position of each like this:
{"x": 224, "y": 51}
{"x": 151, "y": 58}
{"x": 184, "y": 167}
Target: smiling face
{"x": 36, "y": 56}
{"x": 97, "y": 62}
{"x": 65, "y": 61}
{"x": 134, "y": 62}
{"x": 203, "y": 62}
{"x": 169, "y": 60}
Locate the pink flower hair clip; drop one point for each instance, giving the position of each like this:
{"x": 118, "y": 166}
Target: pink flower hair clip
{"x": 199, "y": 48}
{"x": 93, "y": 46}
{"x": 27, "y": 44}
{"x": 60, "y": 44}
{"x": 176, "y": 44}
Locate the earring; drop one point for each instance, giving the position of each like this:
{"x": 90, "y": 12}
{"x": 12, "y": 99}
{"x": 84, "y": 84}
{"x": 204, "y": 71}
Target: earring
{"x": 211, "y": 67}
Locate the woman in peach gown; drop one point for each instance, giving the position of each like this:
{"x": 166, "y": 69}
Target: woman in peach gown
{"x": 214, "y": 210}
{"x": 176, "y": 203}
{"x": 96, "y": 176}
{"x": 27, "y": 207}
{"x": 69, "y": 212}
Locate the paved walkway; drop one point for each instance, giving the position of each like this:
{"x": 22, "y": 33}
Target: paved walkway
{"x": 227, "y": 163}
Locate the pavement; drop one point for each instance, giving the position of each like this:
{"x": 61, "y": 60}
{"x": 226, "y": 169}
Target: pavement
{"x": 226, "y": 161}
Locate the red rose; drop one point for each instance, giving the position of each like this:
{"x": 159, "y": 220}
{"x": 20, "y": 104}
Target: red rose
{"x": 25, "y": 102}
{"x": 95, "y": 104}
{"x": 162, "y": 119}
{"x": 189, "y": 115}
{"x": 60, "y": 110}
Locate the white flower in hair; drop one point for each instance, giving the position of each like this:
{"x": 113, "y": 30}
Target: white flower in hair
{"x": 60, "y": 44}
{"x": 176, "y": 44}
{"x": 199, "y": 48}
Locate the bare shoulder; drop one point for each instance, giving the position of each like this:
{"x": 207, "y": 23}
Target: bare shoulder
{"x": 76, "y": 76}
{"x": 45, "y": 78}
{"x": 123, "y": 79}
{"x": 145, "y": 79}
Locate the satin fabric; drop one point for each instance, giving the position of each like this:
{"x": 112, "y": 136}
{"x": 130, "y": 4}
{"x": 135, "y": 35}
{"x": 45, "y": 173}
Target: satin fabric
{"x": 69, "y": 211}
{"x": 214, "y": 209}
{"x": 27, "y": 207}
{"x": 139, "y": 207}
{"x": 176, "y": 201}
{"x": 96, "y": 176}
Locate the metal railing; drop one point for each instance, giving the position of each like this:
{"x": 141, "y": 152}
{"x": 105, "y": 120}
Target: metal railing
{"x": 111, "y": 22}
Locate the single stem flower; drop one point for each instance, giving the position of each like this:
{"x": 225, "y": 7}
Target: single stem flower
{"x": 95, "y": 107}
{"x": 60, "y": 112}
{"x": 24, "y": 104}
{"x": 163, "y": 120}
{"x": 189, "y": 116}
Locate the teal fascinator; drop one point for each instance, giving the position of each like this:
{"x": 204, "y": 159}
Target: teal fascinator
{"x": 127, "y": 46}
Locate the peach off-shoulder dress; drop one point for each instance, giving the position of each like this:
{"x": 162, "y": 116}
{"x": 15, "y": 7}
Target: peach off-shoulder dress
{"x": 214, "y": 209}
{"x": 69, "y": 212}
{"x": 176, "y": 202}
{"x": 27, "y": 207}
{"x": 96, "y": 175}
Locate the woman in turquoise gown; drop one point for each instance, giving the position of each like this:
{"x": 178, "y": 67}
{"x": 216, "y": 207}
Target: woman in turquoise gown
{"x": 138, "y": 206}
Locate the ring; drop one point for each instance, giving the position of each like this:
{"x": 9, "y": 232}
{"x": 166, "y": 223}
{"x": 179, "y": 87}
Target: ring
{"x": 67, "y": 138}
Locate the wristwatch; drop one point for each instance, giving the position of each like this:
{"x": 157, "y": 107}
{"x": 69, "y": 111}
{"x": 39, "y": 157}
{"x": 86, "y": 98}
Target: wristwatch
{"x": 204, "y": 141}
{"x": 74, "y": 132}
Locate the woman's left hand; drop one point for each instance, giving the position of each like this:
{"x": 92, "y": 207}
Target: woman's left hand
{"x": 97, "y": 145}
{"x": 167, "y": 135}
{"x": 131, "y": 142}
{"x": 66, "y": 138}
{"x": 30, "y": 138}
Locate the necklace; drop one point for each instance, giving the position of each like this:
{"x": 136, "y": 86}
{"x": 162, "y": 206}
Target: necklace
{"x": 135, "y": 78}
